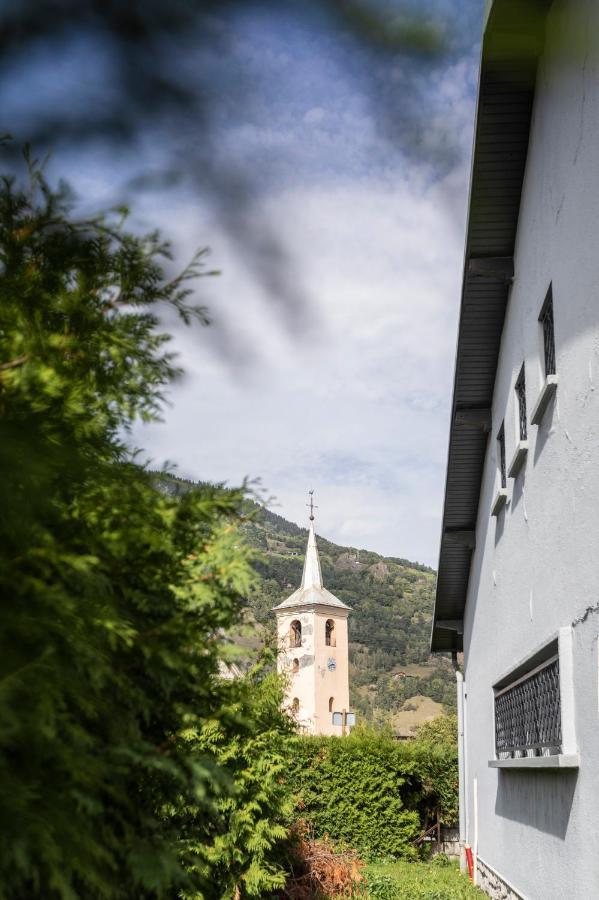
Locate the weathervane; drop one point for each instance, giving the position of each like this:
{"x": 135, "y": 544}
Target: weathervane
{"x": 311, "y": 505}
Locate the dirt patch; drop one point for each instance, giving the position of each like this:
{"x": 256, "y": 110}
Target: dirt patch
{"x": 413, "y": 713}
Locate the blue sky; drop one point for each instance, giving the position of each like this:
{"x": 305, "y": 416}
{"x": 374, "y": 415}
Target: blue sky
{"x": 330, "y": 361}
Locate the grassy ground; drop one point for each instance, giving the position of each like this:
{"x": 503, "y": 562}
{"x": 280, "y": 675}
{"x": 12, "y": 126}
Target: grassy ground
{"x": 420, "y": 881}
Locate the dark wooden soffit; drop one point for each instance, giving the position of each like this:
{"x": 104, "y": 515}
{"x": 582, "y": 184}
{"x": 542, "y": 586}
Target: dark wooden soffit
{"x": 512, "y": 45}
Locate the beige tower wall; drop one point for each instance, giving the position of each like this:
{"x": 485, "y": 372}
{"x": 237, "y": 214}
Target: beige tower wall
{"x": 330, "y": 684}
{"x": 315, "y": 683}
{"x": 301, "y": 684}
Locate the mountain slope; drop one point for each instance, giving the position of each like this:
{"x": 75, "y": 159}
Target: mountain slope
{"x": 389, "y": 628}
{"x": 391, "y": 671}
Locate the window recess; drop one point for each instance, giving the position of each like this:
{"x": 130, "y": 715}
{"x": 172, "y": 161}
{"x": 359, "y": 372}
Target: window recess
{"x": 546, "y": 321}
{"x": 522, "y": 445}
{"x": 520, "y": 388}
{"x": 528, "y": 714}
{"x": 501, "y": 495}
{"x": 534, "y": 710}
{"x": 549, "y": 386}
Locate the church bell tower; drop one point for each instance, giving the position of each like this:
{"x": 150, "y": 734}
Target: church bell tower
{"x": 313, "y": 651}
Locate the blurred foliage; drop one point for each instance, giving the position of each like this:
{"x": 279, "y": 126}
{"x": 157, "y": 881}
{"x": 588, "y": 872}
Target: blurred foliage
{"x": 144, "y": 45}
{"x": 142, "y": 96}
{"x": 127, "y": 769}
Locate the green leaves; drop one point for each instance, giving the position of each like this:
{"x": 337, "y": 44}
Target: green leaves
{"x": 113, "y": 592}
{"x": 370, "y": 792}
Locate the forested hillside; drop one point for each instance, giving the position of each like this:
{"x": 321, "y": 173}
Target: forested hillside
{"x": 389, "y": 628}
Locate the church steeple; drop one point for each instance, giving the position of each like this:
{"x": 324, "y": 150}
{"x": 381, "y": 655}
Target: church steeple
{"x": 312, "y": 589}
{"x": 312, "y": 575}
{"x": 313, "y": 647}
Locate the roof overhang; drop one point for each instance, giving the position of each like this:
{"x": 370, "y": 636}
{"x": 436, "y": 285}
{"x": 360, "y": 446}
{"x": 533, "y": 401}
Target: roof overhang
{"x": 512, "y": 45}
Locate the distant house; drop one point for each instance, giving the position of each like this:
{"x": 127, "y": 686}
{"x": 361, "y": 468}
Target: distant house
{"x": 518, "y": 574}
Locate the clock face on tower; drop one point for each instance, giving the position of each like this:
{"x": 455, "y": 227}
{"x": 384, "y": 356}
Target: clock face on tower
{"x": 331, "y": 664}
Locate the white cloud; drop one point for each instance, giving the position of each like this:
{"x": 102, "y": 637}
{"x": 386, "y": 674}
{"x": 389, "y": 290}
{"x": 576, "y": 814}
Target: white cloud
{"x": 356, "y": 405}
{"x": 314, "y": 115}
{"x": 352, "y": 398}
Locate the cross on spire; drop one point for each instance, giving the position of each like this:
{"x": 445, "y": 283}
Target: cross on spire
{"x": 311, "y": 505}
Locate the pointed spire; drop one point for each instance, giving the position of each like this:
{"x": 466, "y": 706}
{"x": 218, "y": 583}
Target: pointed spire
{"x": 312, "y": 590}
{"x": 312, "y": 576}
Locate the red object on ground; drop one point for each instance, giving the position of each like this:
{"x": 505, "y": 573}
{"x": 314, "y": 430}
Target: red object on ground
{"x": 470, "y": 862}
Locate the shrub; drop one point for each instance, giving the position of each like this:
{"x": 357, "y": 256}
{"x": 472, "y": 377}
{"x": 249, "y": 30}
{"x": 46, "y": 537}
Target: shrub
{"x": 113, "y": 591}
{"x": 371, "y": 792}
{"x": 360, "y": 790}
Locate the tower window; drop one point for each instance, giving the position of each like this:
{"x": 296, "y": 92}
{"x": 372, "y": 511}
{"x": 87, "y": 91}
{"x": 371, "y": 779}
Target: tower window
{"x": 295, "y": 706}
{"x": 331, "y": 703}
{"x": 295, "y": 634}
{"x": 546, "y": 321}
{"x": 295, "y": 665}
{"x": 520, "y": 389}
{"x": 329, "y": 633}
{"x": 501, "y": 460}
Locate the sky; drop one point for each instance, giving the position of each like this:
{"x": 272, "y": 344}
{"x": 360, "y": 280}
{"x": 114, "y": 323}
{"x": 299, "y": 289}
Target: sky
{"x": 338, "y": 230}
{"x": 348, "y": 391}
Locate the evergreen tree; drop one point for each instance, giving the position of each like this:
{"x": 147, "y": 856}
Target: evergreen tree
{"x": 113, "y": 591}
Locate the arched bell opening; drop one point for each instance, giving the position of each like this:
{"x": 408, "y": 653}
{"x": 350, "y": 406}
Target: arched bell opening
{"x": 329, "y": 633}
{"x": 295, "y": 633}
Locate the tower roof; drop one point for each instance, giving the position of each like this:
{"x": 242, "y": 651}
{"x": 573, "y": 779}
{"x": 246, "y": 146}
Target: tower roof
{"x": 312, "y": 590}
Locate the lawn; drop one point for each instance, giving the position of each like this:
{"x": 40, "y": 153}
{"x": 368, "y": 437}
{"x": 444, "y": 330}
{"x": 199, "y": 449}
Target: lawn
{"x": 420, "y": 881}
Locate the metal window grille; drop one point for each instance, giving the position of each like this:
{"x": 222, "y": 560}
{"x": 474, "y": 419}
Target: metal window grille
{"x": 521, "y": 395}
{"x": 546, "y": 320}
{"x": 502, "y": 466}
{"x": 528, "y": 715}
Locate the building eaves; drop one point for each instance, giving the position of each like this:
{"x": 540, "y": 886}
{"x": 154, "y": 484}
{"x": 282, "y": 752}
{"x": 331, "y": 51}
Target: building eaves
{"x": 512, "y": 45}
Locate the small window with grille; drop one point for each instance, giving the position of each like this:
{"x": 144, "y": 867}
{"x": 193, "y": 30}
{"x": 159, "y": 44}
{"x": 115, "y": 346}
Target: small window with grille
{"x": 546, "y": 322}
{"x": 501, "y": 456}
{"x": 520, "y": 389}
{"x": 528, "y": 713}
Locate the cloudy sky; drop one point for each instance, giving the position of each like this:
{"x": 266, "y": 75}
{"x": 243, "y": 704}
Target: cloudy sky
{"x": 344, "y": 387}
{"x": 337, "y": 224}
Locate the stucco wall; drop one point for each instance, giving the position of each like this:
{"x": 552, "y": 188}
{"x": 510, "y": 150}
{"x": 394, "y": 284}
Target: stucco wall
{"x": 329, "y": 683}
{"x": 536, "y": 567}
{"x": 315, "y": 683}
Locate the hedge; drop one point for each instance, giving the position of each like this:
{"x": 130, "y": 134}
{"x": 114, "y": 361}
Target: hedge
{"x": 371, "y": 792}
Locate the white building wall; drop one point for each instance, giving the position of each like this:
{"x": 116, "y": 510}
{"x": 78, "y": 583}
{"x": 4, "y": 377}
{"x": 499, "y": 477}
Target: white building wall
{"x": 536, "y": 567}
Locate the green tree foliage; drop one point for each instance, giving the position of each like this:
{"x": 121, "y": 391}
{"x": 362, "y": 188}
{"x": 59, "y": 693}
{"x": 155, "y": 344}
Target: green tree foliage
{"x": 240, "y": 848}
{"x": 371, "y": 792}
{"x": 113, "y": 592}
{"x": 436, "y": 751}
